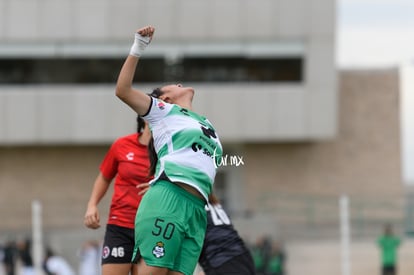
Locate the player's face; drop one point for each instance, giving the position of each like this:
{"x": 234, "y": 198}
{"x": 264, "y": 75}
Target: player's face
{"x": 171, "y": 93}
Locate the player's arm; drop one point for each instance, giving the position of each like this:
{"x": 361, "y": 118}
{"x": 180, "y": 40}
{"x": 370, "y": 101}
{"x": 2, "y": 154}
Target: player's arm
{"x": 92, "y": 218}
{"x": 136, "y": 99}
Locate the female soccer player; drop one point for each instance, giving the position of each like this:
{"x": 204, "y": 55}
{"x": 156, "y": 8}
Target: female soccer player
{"x": 127, "y": 162}
{"x": 171, "y": 220}
{"x": 224, "y": 251}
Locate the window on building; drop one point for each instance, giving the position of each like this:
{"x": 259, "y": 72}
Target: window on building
{"x": 240, "y": 69}
{"x": 151, "y": 69}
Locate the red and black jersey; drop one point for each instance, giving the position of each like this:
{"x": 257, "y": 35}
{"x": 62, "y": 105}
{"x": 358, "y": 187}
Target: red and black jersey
{"x": 127, "y": 161}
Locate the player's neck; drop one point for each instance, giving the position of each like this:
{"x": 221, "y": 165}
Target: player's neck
{"x": 185, "y": 103}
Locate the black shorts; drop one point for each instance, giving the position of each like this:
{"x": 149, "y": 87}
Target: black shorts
{"x": 118, "y": 245}
{"x": 239, "y": 265}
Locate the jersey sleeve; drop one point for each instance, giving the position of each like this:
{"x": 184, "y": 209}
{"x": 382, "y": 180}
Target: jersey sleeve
{"x": 109, "y": 165}
{"x": 158, "y": 110}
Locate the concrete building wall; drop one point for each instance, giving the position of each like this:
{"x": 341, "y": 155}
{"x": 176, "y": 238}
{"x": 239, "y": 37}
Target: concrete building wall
{"x": 91, "y": 28}
{"x": 33, "y": 115}
{"x": 95, "y": 20}
{"x": 364, "y": 159}
{"x": 300, "y": 184}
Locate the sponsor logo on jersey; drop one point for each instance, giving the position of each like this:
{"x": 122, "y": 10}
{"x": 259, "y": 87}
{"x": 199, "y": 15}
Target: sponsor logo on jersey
{"x": 161, "y": 105}
{"x": 130, "y": 156}
{"x": 158, "y": 251}
{"x": 105, "y": 252}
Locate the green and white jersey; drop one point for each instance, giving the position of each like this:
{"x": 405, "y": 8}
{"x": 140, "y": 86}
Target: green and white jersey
{"x": 186, "y": 143}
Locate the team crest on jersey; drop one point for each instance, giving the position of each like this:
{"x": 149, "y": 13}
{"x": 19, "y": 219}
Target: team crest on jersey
{"x": 159, "y": 250}
{"x": 161, "y": 105}
{"x": 105, "y": 252}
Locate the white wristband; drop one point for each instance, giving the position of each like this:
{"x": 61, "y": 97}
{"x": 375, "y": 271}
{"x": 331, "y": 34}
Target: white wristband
{"x": 140, "y": 43}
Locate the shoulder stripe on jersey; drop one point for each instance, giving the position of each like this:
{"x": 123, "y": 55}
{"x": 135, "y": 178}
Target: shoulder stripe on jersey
{"x": 149, "y": 107}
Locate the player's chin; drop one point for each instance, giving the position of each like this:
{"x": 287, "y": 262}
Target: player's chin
{"x": 191, "y": 90}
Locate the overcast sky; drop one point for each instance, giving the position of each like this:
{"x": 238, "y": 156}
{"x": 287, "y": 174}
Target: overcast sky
{"x": 380, "y": 34}
{"x": 374, "y": 32}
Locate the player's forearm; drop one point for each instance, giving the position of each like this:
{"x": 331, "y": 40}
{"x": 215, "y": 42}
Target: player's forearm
{"x": 98, "y": 192}
{"x": 126, "y": 77}
{"x": 136, "y": 99}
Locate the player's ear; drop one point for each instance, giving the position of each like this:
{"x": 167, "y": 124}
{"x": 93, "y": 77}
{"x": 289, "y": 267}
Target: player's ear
{"x": 165, "y": 98}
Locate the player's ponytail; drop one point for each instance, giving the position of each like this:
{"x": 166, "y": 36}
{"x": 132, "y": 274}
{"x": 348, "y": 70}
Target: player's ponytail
{"x": 140, "y": 124}
{"x": 153, "y": 158}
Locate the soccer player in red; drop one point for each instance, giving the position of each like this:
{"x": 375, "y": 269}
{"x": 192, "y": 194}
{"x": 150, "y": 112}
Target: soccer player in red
{"x": 127, "y": 162}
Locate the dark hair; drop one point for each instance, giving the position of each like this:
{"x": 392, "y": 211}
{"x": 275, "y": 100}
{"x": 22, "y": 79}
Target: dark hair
{"x": 153, "y": 157}
{"x": 140, "y": 124}
{"x": 156, "y": 92}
